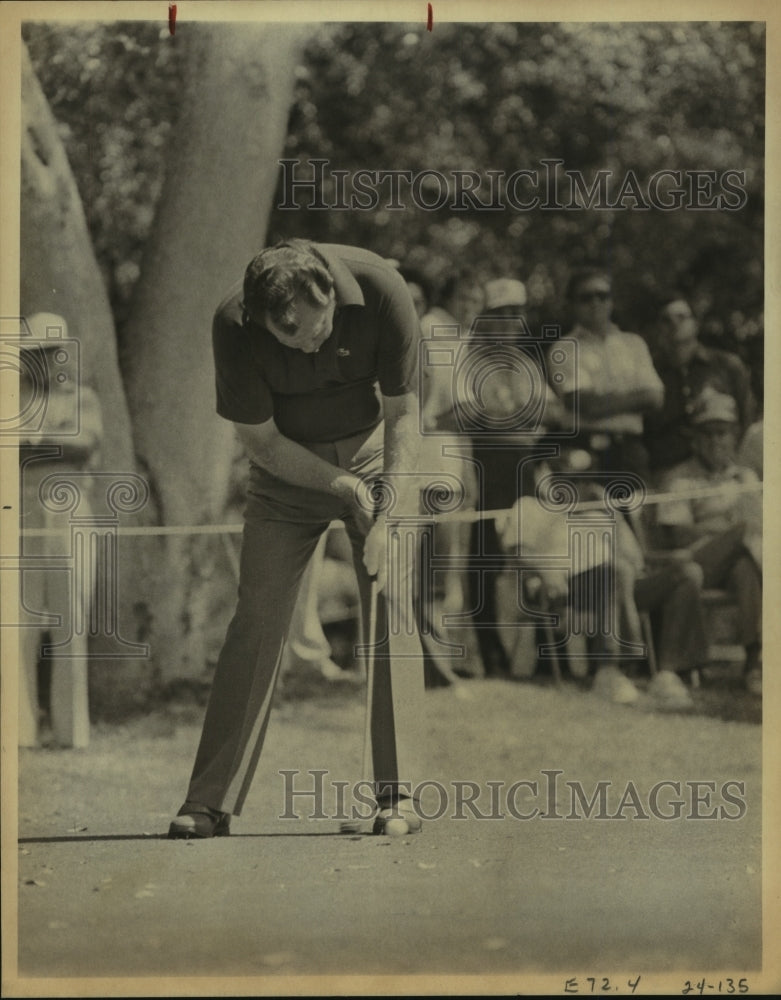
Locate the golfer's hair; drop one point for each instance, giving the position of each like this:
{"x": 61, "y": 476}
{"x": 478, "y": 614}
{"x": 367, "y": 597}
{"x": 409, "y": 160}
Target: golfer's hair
{"x": 278, "y": 275}
{"x": 581, "y": 275}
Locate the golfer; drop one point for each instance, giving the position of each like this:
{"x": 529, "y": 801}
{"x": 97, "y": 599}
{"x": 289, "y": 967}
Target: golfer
{"x": 316, "y": 365}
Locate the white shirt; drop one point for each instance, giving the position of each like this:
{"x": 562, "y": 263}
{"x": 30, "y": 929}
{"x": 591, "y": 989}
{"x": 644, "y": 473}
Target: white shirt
{"x": 603, "y": 364}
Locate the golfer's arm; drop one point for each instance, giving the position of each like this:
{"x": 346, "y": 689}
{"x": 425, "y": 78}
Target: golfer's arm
{"x": 289, "y": 461}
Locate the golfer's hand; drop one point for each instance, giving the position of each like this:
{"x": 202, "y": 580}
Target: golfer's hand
{"x": 375, "y": 553}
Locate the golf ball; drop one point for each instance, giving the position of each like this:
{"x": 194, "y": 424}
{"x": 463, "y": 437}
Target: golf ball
{"x": 396, "y": 827}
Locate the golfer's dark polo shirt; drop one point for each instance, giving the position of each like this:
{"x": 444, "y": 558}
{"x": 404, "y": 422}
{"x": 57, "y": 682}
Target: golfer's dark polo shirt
{"x": 336, "y": 392}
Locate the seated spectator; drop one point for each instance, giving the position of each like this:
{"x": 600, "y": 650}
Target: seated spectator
{"x": 686, "y": 367}
{"x": 721, "y": 529}
{"x": 750, "y": 453}
{"x": 630, "y": 586}
{"x": 613, "y": 383}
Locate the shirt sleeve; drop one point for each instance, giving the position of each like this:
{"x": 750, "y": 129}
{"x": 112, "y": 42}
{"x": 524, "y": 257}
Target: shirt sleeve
{"x": 398, "y": 338}
{"x": 242, "y": 394}
{"x": 675, "y": 512}
{"x": 572, "y": 370}
{"x": 741, "y": 379}
{"x": 646, "y": 375}
{"x": 750, "y": 452}
{"x": 749, "y": 504}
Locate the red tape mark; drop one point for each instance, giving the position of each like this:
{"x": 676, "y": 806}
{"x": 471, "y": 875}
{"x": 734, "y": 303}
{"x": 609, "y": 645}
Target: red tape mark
{"x": 172, "y": 18}
{"x": 430, "y": 21}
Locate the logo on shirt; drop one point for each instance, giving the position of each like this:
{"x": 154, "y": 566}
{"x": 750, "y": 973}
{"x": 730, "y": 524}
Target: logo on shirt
{"x": 343, "y": 352}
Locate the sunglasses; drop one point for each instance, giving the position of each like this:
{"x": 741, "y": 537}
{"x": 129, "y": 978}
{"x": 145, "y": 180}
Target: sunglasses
{"x": 594, "y": 297}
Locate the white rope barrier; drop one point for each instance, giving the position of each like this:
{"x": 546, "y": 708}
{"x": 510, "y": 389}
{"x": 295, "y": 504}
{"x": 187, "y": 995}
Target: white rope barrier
{"x": 651, "y": 499}
{"x": 466, "y": 516}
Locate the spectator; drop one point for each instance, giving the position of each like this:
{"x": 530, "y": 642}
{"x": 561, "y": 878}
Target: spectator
{"x": 613, "y": 383}
{"x": 686, "y": 367}
{"x": 751, "y": 449}
{"x": 671, "y": 593}
{"x": 503, "y": 457}
{"x": 722, "y": 529}
{"x": 306, "y": 644}
{"x": 64, "y": 438}
{"x": 459, "y": 301}
{"x": 445, "y": 449}
{"x": 418, "y": 288}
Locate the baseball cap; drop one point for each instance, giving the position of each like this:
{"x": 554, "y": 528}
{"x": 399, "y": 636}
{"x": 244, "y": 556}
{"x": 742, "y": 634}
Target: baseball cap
{"x": 47, "y": 330}
{"x": 504, "y": 292}
{"x": 712, "y": 406}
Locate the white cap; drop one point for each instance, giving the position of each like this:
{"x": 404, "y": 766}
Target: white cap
{"x": 714, "y": 407}
{"x": 46, "y": 326}
{"x": 504, "y": 292}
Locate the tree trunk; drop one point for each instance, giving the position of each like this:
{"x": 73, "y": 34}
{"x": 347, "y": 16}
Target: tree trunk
{"x": 212, "y": 218}
{"x": 59, "y": 273}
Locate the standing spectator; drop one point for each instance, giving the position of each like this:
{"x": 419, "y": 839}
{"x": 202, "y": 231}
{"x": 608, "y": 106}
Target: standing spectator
{"x": 459, "y": 301}
{"x": 511, "y": 382}
{"x": 65, "y": 439}
{"x": 686, "y": 367}
{"x": 722, "y": 528}
{"x": 419, "y": 289}
{"x": 613, "y": 383}
{"x": 445, "y": 448}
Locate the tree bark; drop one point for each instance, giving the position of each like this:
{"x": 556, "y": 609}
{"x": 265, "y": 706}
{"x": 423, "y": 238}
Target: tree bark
{"x": 212, "y": 218}
{"x": 59, "y": 273}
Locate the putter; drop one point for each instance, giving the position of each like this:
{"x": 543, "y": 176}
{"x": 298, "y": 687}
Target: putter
{"x": 367, "y": 770}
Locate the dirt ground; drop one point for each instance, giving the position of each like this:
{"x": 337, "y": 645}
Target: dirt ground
{"x": 470, "y": 904}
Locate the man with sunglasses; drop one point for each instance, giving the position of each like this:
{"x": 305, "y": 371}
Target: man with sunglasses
{"x": 611, "y": 384}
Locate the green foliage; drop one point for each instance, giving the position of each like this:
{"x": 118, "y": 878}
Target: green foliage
{"x": 115, "y": 89}
{"x": 618, "y": 97}
{"x": 485, "y": 97}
